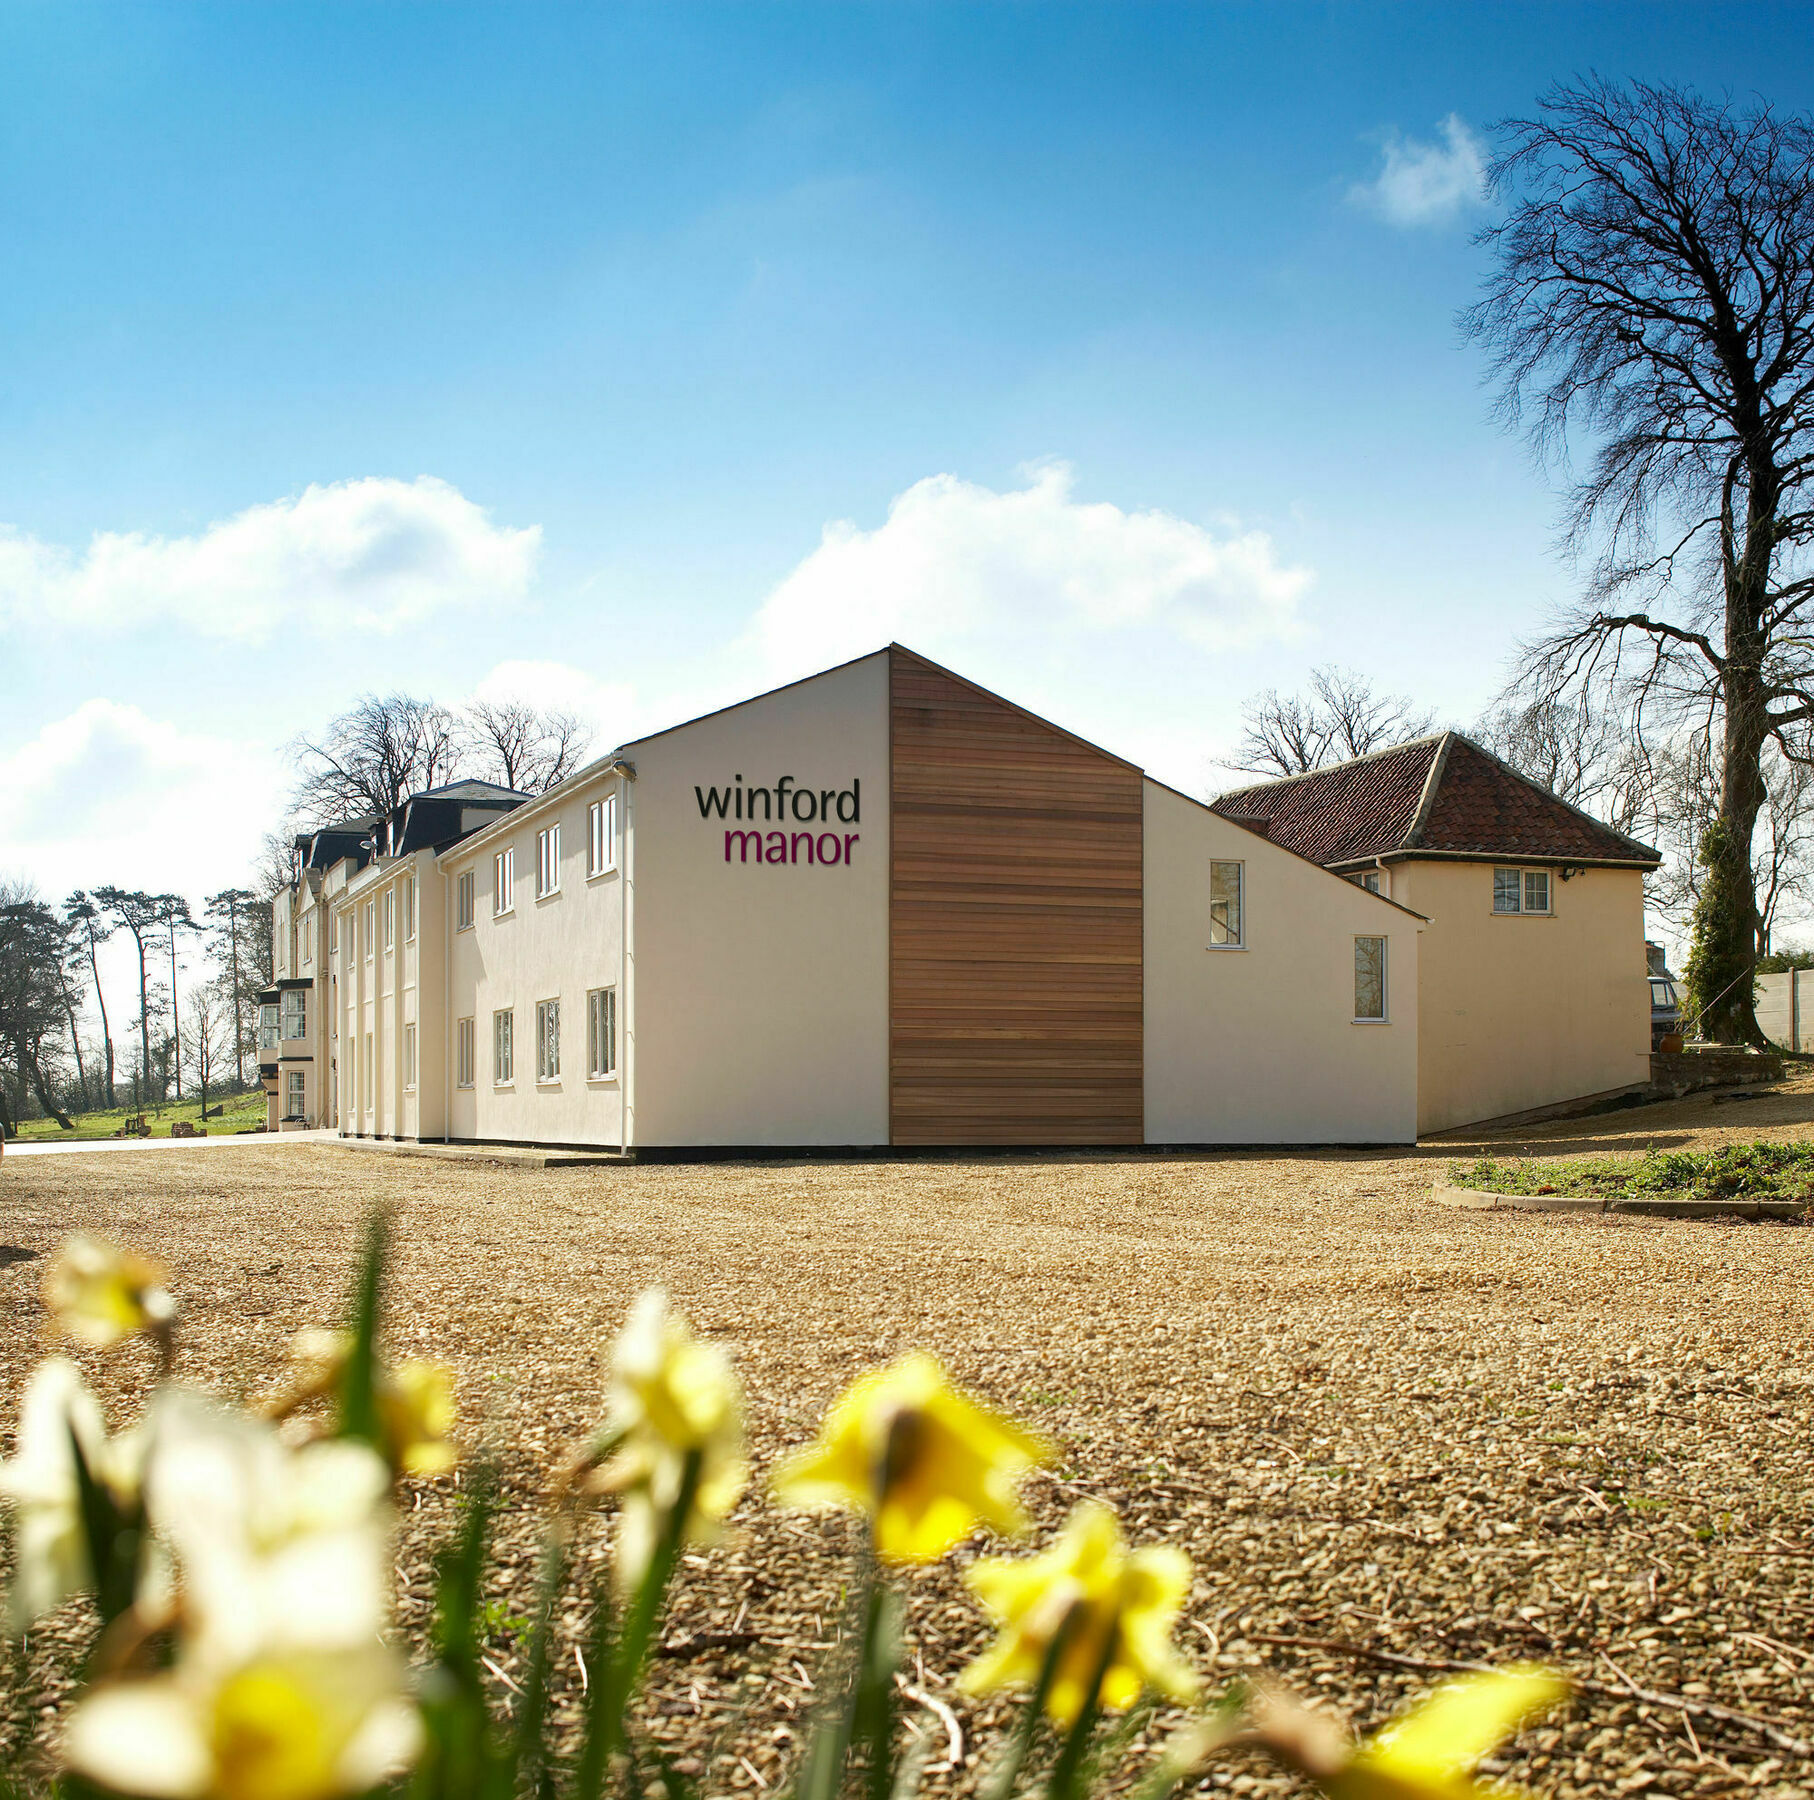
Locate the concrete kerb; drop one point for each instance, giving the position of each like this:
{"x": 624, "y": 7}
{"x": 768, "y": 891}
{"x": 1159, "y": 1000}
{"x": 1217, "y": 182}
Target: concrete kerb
{"x": 1451, "y": 1193}
{"x": 511, "y": 1155}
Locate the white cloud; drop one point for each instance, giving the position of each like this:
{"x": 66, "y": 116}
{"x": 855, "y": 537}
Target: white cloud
{"x": 373, "y": 554}
{"x": 1426, "y": 184}
{"x": 955, "y": 563}
{"x": 109, "y": 794}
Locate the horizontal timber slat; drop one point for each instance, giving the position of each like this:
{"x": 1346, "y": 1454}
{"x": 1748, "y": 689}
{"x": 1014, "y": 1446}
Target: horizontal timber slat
{"x": 1015, "y": 925}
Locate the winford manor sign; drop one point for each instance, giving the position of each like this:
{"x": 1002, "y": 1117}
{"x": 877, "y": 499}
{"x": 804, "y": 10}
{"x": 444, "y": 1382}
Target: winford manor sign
{"x": 786, "y": 804}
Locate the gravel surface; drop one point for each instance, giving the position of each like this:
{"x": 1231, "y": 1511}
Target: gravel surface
{"x": 1373, "y": 1422}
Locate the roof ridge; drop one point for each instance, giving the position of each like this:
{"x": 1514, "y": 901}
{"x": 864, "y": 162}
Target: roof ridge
{"x": 1330, "y": 768}
{"x": 1431, "y": 782}
{"x": 1551, "y": 795}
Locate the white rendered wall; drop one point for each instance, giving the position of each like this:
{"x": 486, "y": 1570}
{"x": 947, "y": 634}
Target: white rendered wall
{"x": 759, "y": 993}
{"x": 556, "y": 947}
{"x": 1258, "y": 1045}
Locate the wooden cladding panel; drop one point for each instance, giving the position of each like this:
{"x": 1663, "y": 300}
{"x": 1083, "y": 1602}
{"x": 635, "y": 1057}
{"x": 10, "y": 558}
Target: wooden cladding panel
{"x": 1015, "y": 925}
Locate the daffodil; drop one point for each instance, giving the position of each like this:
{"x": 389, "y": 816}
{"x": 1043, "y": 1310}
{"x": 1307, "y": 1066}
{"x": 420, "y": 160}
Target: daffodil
{"x": 1114, "y": 1606}
{"x": 415, "y": 1400}
{"x": 924, "y": 1461}
{"x": 51, "y": 1555}
{"x": 301, "y": 1725}
{"x": 1430, "y": 1753}
{"x": 275, "y": 1548}
{"x": 98, "y": 1293}
{"x": 673, "y": 1397}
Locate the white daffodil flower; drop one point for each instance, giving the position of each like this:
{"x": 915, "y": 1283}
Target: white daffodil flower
{"x": 296, "y": 1725}
{"x": 51, "y": 1548}
{"x": 276, "y": 1549}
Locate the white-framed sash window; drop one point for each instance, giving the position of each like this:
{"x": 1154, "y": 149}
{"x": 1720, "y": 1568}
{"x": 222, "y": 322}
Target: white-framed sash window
{"x": 390, "y": 918}
{"x": 409, "y": 909}
{"x": 547, "y": 1040}
{"x": 601, "y": 1033}
{"x": 1227, "y": 897}
{"x": 548, "y": 862}
{"x": 409, "y": 1058}
{"x": 601, "y": 831}
{"x": 1521, "y": 891}
{"x": 503, "y": 1049}
{"x": 295, "y": 1106}
{"x": 295, "y": 1012}
{"x": 463, "y": 1053}
{"x": 1370, "y": 980}
{"x": 503, "y": 881}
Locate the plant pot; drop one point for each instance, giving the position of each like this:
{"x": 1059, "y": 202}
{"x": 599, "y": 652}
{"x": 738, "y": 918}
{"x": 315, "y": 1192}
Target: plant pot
{"x": 1670, "y": 1044}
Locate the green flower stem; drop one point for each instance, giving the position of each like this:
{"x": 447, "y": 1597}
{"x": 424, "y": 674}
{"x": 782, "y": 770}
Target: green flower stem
{"x": 1069, "y": 1766}
{"x": 1002, "y": 1786}
{"x": 527, "y": 1769}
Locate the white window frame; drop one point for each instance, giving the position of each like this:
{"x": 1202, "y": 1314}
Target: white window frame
{"x": 409, "y": 909}
{"x": 503, "y": 1047}
{"x": 548, "y": 861}
{"x": 1384, "y": 1015}
{"x": 296, "y": 1096}
{"x": 1523, "y": 878}
{"x": 390, "y": 920}
{"x": 465, "y": 1045}
{"x": 371, "y": 928}
{"x": 601, "y": 836}
{"x": 465, "y": 909}
{"x": 548, "y": 1041}
{"x": 295, "y": 1003}
{"x": 366, "y": 1086}
{"x": 503, "y": 882}
{"x": 601, "y": 1034}
{"x": 1239, "y": 940}
{"x": 1371, "y": 881}
{"x": 333, "y": 933}
{"x": 409, "y": 1058}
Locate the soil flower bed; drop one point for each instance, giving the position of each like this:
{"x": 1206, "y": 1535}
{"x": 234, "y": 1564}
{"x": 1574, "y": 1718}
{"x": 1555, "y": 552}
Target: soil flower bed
{"x": 1760, "y": 1171}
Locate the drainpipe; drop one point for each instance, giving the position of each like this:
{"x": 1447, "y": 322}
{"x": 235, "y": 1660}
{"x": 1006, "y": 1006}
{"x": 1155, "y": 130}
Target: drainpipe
{"x": 447, "y": 1013}
{"x": 1385, "y": 876}
{"x": 625, "y": 775}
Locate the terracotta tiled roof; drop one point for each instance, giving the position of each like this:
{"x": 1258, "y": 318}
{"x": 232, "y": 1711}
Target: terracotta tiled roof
{"x": 1438, "y": 795}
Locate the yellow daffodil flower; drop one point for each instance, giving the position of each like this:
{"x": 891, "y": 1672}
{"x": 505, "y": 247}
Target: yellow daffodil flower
{"x": 1430, "y": 1753}
{"x": 1092, "y": 1587}
{"x": 921, "y": 1459}
{"x": 671, "y": 1395}
{"x": 275, "y": 1549}
{"x": 415, "y": 1400}
{"x": 50, "y": 1545}
{"x": 98, "y": 1293}
{"x": 296, "y": 1726}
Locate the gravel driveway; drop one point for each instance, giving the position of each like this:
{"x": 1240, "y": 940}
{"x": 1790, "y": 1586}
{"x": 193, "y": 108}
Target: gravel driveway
{"x": 1380, "y": 1428}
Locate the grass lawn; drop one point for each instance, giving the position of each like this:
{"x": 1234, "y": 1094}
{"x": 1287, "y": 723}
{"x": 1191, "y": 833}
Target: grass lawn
{"x": 1379, "y": 1427}
{"x": 239, "y": 1112}
{"x": 1760, "y": 1171}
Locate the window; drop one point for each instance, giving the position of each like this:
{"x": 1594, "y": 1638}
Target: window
{"x": 503, "y": 880}
{"x": 503, "y": 1061}
{"x": 371, "y": 927}
{"x": 307, "y": 935}
{"x": 463, "y": 902}
{"x": 463, "y": 1057}
{"x": 298, "y": 1100}
{"x": 409, "y": 909}
{"x": 547, "y": 1040}
{"x": 333, "y": 933}
{"x": 1225, "y": 904}
{"x": 1370, "y": 881}
{"x": 548, "y": 862}
{"x": 267, "y": 1026}
{"x": 409, "y": 1058}
{"x": 390, "y": 917}
{"x": 365, "y": 1074}
{"x": 295, "y": 1012}
{"x": 601, "y": 819}
{"x": 1370, "y": 979}
{"x": 1521, "y": 890}
{"x": 601, "y": 1033}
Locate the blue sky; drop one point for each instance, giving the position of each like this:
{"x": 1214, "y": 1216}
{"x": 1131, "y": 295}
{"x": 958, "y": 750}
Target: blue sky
{"x": 640, "y": 357}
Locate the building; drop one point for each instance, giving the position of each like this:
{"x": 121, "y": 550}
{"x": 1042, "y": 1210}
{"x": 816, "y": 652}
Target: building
{"x": 297, "y": 1040}
{"x": 1532, "y": 973}
{"x": 880, "y": 906}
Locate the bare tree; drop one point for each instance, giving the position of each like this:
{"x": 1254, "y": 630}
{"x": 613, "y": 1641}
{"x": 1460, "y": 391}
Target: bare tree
{"x": 511, "y": 743}
{"x": 371, "y": 757}
{"x": 228, "y": 913}
{"x": 210, "y": 1032}
{"x": 88, "y": 932}
{"x": 1654, "y": 294}
{"x": 1339, "y": 718}
{"x": 173, "y": 915}
{"x": 138, "y": 912}
{"x": 1579, "y": 755}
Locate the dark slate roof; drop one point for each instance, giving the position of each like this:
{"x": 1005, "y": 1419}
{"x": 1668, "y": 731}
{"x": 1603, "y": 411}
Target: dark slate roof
{"x": 1437, "y": 796}
{"x": 472, "y": 790}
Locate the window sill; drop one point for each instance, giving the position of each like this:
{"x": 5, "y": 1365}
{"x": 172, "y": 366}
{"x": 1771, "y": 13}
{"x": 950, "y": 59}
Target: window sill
{"x": 602, "y": 1080}
{"x": 1525, "y": 915}
{"x": 1219, "y": 948}
{"x": 466, "y": 927}
{"x": 1369, "y": 1021}
{"x": 502, "y": 912}
{"x": 498, "y": 1087}
{"x": 600, "y": 874}
{"x": 552, "y": 894}
{"x": 547, "y": 1081}
{"x": 465, "y": 1087}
